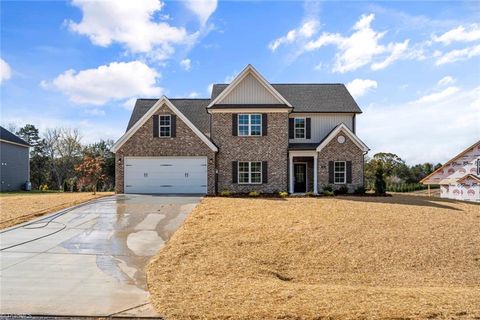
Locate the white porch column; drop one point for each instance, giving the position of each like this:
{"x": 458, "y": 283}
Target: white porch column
{"x": 315, "y": 173}
{"x": 290, "y": 173}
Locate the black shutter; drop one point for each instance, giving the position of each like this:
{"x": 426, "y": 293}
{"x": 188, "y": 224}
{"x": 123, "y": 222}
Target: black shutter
{"x": 264, "y": 172}
{"x": 291, "y": 128}
{"x": 155, "y": 125}
{"x": 308, "y": 128}
{"x": 234, "y": 172}
{"x": 349, "y": 171}
{"x": 264, "y": 124}
{"x": 330, "y": 172}
{"x": 234, "y": 124}
{"x": 173, "y": 124}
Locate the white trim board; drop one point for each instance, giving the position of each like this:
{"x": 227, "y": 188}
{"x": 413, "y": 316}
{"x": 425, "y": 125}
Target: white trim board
{"x": 343, "y": 128}
{"x": 150, "y": 113}
{"x": 249, "y": 69}
{"x": 17, "y": 144}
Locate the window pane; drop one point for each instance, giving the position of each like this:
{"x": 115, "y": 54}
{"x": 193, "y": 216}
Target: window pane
{"x": 243, "y": 130}
{"x": 243, "y": 177}
{"x": 164, "y": 120}
{"x": 243, "y": 167}
{"x": 243, "y": 119}
{"x": 256, "y": 119}
{"x": 299, "y": 123}
{"x": 256, "y": 166}
{"x": 256, "y": 177}
{"x": 164, "y": 131}
{"x": 256, "y": 130}
{"x": 299, "y": 133}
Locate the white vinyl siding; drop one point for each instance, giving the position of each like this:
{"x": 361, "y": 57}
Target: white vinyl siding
{"x": 249, "y": 91}
{"x": 322, "y": 124}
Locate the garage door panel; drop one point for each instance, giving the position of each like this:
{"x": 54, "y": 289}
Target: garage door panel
{"x": 166, "y": 175}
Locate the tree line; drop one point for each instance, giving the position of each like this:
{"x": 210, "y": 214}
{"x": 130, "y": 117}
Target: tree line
{"x": 59, "y": 160}
{"x": 386, "y": 171}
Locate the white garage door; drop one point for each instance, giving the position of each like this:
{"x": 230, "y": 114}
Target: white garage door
{"x": 166, "y": 175}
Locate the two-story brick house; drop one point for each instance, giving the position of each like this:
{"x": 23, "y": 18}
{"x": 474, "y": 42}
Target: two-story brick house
{"x": 249, "y": 136}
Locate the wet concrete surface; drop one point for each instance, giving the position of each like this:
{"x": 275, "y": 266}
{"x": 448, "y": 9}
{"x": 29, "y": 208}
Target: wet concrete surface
{"x": 89, "y": 261}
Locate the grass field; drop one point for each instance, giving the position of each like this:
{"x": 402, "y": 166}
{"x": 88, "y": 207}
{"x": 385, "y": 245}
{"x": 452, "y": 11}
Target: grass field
{"x": 19, "y": 207}
{"x": 402, "y": 257}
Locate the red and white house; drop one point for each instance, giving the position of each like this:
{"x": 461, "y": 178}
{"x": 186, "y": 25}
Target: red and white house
{"x": 459, "y": 178}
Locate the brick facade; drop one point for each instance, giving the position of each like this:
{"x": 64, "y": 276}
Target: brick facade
{"x": 335, "y": 151}
{"x": 272, "y": 148}
{"x": 144, "y": 144}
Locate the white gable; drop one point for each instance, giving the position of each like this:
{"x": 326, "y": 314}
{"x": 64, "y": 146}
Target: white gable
{"x": 250, "y": 91}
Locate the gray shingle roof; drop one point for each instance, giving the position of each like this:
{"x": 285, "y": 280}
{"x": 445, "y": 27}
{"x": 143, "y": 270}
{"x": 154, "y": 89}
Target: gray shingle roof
{"x": 8, "y": 136}
{"x": 302, "y": 146}
{"x": 194, "y": 109}
{"x": 313, "y": 97}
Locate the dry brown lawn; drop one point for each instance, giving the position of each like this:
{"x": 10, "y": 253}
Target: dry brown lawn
{"x": 17, "y": 208}
{"x": 403, "y": 257}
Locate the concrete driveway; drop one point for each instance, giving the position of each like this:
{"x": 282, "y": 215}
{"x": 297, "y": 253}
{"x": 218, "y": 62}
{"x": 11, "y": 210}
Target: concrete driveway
{"x": 90, "y": 260}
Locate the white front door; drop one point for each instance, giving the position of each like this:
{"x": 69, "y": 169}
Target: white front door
{"x": 165, "y": 175}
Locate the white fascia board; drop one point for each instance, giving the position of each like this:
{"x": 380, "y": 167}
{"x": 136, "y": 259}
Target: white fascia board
{"x": 150, "y": 113}
{"x": 343, "y": 128}
{"x": 249, "y": 69}
{"x": 17, "y": 144}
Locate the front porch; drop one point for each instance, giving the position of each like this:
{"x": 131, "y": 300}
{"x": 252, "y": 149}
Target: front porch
{"x": 303, "y": 172}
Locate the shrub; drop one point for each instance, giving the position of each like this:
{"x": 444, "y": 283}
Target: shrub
{"x": 225, "y": 193}
{"x": 254, "y": 194}
{"x": 327, "y": 187}
{"x": 341, "y": 190}
{"x": 360, "y": 190}
{"x": 380, "y": 185}
{"x": 309, "y": 194}
{"x": 328, "y": 193}
{"x": 65, "y": 186}
{"x": 75, "y": 186}
{"x": 283, "y": 194}
{"x": 43, "y": 187}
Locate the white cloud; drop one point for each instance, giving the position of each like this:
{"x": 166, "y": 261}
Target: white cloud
{"x": 203, "y": 9}
{"x": 397, "y": 51}
{"x": 5, "y": 71}
{"x": 360, "y": 87}
{"x": 186, "y": 64}
{"x": 209, "y": 89}
{"x": 360, "y": 48}
{"x": 421, "y": 131}
{"x": 130, "y": 103}
{"x": 130, "y": 23}
{"x": 457, "y": 55}
{"x": 116, "y": 81}
{"x": 193, "y": 94}
{"x": 437, "y": 96}
{"x": 460, "y": 34}
{"x": 306, "y": 30}
{"x": 95, "y": 112}
{"x": 446, "y": 81}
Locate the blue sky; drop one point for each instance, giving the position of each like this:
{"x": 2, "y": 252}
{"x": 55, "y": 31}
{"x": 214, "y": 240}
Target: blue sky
{"x": 413, "y": 67}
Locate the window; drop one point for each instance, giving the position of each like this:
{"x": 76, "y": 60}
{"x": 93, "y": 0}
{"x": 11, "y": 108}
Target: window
{"x": 165, "y": 126}
{"x": 299, "y": 128}
{"x": 340, "y": 172}
{"x": 250, "y": 172}
{"x": 249, "y": 124}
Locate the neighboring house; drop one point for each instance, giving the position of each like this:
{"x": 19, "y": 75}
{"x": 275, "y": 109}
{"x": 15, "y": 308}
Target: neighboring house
{"x": 249, "y": 136}
{"x": 15, "y": 164}
{"x": 459, "y": 178}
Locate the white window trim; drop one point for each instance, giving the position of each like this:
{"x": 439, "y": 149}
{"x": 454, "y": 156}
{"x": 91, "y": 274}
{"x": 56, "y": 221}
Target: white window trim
{"x": 160, "y": 126}
{"x": 304, "y": 127}
{"x": 249, "y": 125}
{"x": 250, "y": 173}
{"x": 344, "y": 172}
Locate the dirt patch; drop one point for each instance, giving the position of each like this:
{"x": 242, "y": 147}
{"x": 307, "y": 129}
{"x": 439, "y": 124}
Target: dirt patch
{"x": 345, "y": 257}
{"x": 22, "y": 207}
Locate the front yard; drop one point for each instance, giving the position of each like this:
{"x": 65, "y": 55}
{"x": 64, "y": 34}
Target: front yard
{"x": 18, "y": 207}
{"x": 308, "y": 258}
